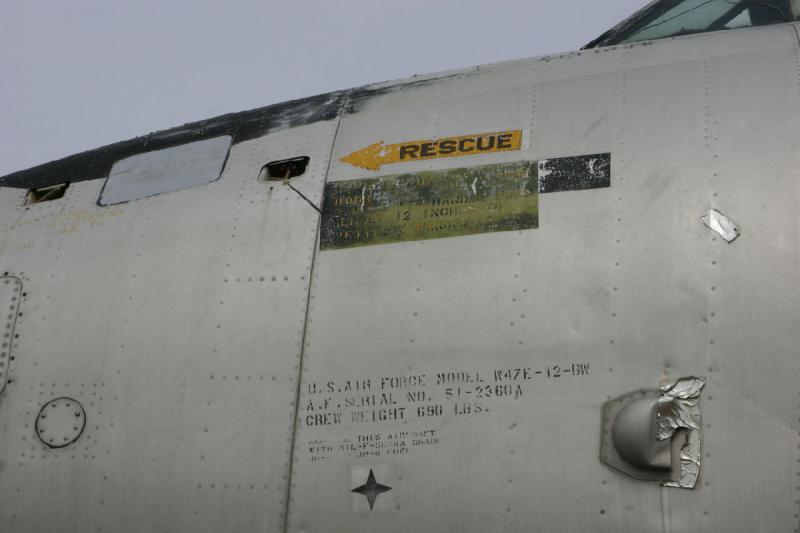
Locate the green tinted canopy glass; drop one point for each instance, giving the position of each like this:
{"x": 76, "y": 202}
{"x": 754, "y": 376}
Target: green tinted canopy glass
{"x": 669, "y": 18}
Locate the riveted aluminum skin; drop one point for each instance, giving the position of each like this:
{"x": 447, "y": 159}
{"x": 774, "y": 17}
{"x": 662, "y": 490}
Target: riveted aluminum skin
{"x": 236, "y": 378}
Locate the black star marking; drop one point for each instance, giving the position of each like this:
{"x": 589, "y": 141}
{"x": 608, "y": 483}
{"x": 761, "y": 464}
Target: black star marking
{"x": 371, "y": 489}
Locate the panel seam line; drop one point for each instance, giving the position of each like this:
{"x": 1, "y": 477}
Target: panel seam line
{"x": 293, "y": 440}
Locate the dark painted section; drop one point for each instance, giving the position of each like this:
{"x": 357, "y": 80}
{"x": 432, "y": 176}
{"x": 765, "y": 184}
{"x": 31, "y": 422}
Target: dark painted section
{"x": 575, "y": 173}
{"x": 242, "y": 126}
{"x": 361, "y": 95}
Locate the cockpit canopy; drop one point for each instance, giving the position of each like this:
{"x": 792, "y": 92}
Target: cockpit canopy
{"x": 668, "y": 18}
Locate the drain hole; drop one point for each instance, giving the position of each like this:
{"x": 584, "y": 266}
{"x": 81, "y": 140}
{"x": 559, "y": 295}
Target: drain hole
{"x": 284, "y": 169}
{"x": 45, "y": 194}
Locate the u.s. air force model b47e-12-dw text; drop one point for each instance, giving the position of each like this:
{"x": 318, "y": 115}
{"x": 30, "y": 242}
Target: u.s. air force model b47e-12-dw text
{"x": 559, "y": 294}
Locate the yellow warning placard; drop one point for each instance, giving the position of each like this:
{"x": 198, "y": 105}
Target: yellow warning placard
{"x": 377, "y": 154}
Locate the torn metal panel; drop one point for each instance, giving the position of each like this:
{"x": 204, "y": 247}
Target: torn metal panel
{"x": 678, "y": 409}
{"x": 638, "y": 429}
{"x": 575, "y": 173}
{"x": 721, "y": 224}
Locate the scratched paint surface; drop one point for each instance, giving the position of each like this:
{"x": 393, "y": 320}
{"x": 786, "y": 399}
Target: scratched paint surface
{"x": 575, "y": 173}
{"x": 430, "y": 205}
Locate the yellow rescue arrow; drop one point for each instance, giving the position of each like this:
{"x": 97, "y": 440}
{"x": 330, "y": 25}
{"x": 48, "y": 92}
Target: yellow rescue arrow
{"x": 377, "y": 154}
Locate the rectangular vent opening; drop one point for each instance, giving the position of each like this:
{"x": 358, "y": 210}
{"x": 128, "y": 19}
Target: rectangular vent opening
{"x": 284, "y": 169}
{"x": 45, "y": 194}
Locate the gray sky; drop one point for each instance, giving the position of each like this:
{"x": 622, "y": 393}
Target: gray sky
{"x": 80, "y": 74}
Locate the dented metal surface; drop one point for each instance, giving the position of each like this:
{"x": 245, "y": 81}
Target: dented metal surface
{"x": 628, "y": 439}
